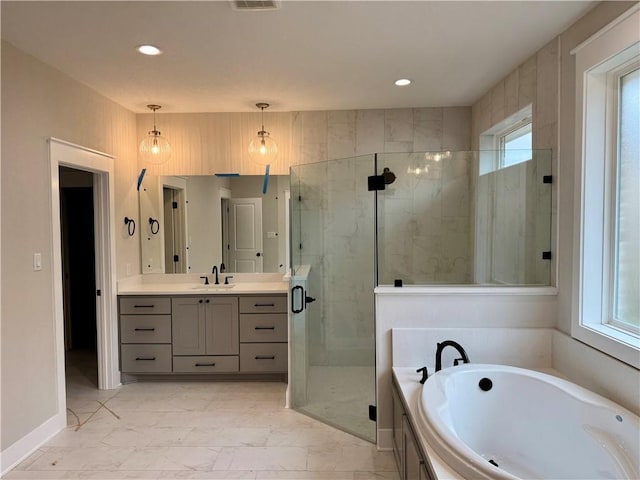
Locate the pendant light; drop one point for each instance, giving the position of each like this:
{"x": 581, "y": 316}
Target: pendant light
{"x": 154, "y": 149}
{"x": 262, "y": 148}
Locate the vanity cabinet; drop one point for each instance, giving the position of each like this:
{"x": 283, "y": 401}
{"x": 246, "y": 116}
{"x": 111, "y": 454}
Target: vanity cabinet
{"x": 263, "y": 334}
{"x": 204, "y": 334}
{"x": 409, "y": 458}
{"x": 145, "y": 334}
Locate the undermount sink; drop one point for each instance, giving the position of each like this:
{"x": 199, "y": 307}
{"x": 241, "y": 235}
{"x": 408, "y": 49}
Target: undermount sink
{"x": 213, "y": 288}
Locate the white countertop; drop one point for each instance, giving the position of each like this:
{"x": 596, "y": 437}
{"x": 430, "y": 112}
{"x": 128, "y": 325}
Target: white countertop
{"x": 410, "y": 388}
{"x": 192, "y": 284}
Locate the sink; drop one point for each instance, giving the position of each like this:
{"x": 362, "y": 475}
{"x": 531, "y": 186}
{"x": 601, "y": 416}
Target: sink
{"x": 213, "y": 288}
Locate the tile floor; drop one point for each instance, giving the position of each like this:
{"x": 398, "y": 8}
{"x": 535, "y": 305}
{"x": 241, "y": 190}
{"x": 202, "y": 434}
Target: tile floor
{"x": 350, "y": 389}
{"x": 200, "y": 430}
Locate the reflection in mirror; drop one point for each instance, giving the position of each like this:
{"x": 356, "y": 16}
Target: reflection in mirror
{"x": 210, "y": 220}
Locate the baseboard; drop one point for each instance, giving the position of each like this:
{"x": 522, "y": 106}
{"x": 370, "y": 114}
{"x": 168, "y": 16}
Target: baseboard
{"x": 20, "y": 450}
{"x": 385, "y": 439}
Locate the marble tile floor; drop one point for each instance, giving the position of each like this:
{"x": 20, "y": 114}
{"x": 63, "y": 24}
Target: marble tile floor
{"x": 351, "y": 389}
{"x": 197, "y": 430}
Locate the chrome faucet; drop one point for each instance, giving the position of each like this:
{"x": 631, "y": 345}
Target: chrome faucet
{"x": 457, "y": 346}
{"x": 215, "y": 270}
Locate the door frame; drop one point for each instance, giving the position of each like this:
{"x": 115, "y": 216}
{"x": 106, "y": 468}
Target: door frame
{"x": 62, "y": 153}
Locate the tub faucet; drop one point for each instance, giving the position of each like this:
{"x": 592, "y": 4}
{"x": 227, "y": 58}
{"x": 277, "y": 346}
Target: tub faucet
{"x": 215, "y": 270}
{"x": 450, "y": 343}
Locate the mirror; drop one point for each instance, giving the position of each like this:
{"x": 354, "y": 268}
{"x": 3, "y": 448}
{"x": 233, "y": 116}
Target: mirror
{"x": 188, "y": 224}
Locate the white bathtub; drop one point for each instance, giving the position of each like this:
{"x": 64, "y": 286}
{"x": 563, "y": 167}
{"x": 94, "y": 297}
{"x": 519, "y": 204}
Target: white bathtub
{"x": 530, "y": 424}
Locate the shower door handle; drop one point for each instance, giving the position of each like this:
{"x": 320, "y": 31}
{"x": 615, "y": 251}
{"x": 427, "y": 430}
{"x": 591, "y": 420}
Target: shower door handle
{"x": 293, "y": 299}
{"x": 304, "y": 299}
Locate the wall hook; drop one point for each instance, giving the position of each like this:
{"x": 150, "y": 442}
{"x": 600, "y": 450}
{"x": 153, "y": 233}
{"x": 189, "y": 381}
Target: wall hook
{"x": 131, "y": 225}
{"x": 154, "y": 225}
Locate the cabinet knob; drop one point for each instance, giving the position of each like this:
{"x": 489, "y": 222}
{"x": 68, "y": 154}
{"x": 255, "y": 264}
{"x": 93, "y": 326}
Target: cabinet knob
{"x": 200, "y": 301}
{"x": 207, "y": 300}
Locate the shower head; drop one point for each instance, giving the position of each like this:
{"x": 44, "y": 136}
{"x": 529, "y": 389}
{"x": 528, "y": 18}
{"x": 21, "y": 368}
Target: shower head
{"x": 388, "y": 175}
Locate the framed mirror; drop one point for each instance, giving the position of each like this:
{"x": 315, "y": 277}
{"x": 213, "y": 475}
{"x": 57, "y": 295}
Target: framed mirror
{"x": 191, "y": 223}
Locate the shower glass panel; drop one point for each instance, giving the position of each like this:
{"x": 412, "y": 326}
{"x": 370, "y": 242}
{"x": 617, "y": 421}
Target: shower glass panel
{"x": 465, "y": 218}
{"x": 333, "y": 253}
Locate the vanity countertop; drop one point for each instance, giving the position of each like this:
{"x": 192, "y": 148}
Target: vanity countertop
{"x": 192, "y": 284}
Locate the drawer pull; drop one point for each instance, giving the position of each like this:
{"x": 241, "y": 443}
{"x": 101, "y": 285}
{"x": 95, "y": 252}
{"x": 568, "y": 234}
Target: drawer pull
{"x": 265, "y": 328}
{"x": 264, "y": 304}
{"x": 265, "y": 357}
{"x": 145, "y": 329}
{"x": 205, "y": 364}
{"x": 144, "y": 306}
{"x": 145, "y": 359}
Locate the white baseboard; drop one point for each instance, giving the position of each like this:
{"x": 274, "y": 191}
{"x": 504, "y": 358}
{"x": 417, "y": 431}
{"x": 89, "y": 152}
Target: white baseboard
{"x": 20, "y": 450}
{"x": 385, "y": 439}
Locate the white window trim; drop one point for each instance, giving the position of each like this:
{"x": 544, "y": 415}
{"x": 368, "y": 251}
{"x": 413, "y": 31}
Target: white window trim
{"x": 490, "y": 160}
{"x": 591, "y": 295}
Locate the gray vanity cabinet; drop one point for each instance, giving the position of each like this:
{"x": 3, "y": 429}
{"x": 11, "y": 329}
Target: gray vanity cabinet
{"x": 210, "y": 334}
{"x": 263, "y": 334}
{"x": 205, "y": 325}
{"x": 145, "y": 334}
{"x": 408, "y": 455}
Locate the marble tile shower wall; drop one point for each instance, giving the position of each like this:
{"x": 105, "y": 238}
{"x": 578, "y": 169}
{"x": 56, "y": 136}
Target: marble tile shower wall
{"x": 337, "y": 212}
{"x": 535, "y": 82}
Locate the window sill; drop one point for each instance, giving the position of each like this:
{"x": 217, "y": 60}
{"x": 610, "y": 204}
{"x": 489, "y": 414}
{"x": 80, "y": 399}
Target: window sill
{"x": 611, "y": 341}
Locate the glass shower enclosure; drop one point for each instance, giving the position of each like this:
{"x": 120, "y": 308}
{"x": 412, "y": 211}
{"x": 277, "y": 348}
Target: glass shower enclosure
{"x": 428, "y": 218}
{"x": 333, "y": 260}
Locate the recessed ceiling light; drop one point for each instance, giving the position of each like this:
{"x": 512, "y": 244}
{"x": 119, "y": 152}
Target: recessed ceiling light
{"x": 403, "y": 82}
{"x": 149, "y": 50}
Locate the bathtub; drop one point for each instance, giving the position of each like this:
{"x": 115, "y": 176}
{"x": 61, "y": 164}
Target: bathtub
{"x": 500, "y": 422}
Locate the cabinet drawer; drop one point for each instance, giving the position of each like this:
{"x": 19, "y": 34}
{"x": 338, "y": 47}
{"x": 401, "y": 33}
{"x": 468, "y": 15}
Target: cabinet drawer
{"x": 145, "y": 358}
{"x": 206, "y": 364}
{"x": 263, "y": 357}
{"x": 145, "y": 305}
{"x": 266, "y": 327}
{"x": 145, "y": 328}
{"x": 266, "y": 304}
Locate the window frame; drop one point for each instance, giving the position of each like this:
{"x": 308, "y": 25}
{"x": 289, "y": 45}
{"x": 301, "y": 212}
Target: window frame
{"x": 598, "y": 61}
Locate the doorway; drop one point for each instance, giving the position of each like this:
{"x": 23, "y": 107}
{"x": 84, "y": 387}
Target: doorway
{"x": 77, "y": 230}
{"x": 100, "y": 167}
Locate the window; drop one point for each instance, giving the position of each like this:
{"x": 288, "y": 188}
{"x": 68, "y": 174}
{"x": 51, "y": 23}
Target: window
{"x": 625, "y": 293}
{"x": 607, "y": 314}
{"x": 515, "y": 145}
{"x": 507, "y": 143}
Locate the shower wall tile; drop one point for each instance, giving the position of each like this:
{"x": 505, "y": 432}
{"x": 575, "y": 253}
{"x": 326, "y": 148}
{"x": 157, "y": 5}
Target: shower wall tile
{"x": 398, "y": 125}
{"x": 427, "y": 129}
{"x": 456, "y": 128}
{"x": 527, "y": 82}
{"x": 395, "y": 147}
{"x": 498, "y": 103}
{"x": 369, "y": 131}
{"x": 314, "y": 127}
{"x": 547, "y": 70}
{"x": 314, "y": 152}
{"x": 342, "y": 116}
{"x": 511, "y": 93}
{"x": 341, "y": 140}
{"x": 484, "y": 113}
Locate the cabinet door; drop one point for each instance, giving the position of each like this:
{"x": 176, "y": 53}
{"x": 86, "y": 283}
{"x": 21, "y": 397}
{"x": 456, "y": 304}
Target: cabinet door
{"x": 222, "y": 332}
{"x": 412, "y": 461}
{"x": 188, "y": 325}
{"x": 398, "y": 415}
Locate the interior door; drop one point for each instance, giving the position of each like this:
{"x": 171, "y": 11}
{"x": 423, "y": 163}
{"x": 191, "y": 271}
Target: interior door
{"x": 332, "y": 302}
{"x": 245, "y": 235}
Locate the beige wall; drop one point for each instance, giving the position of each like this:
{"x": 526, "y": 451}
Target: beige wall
{"x": 40, "y": 102}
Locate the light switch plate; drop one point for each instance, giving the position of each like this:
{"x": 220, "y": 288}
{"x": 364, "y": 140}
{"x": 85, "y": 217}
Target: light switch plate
{"x": 37, "y": 262}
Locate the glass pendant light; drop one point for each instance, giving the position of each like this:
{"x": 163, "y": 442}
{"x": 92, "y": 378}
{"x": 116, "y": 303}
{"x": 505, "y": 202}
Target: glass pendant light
{"x": 262, "y": 148}
{"x": 154, "y": 149}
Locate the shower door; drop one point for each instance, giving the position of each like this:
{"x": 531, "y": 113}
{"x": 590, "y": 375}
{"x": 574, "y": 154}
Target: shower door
{"x": 333, "y": 258}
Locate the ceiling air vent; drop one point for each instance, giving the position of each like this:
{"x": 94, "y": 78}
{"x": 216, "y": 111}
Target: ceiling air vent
{"x": 246, "y": 5}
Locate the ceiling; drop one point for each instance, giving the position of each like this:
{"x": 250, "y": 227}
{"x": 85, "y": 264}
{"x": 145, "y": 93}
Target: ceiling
{"x": 306, "y": 55}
